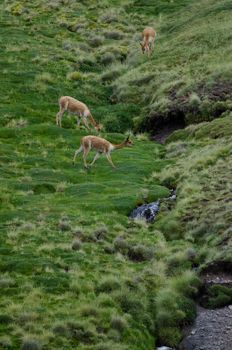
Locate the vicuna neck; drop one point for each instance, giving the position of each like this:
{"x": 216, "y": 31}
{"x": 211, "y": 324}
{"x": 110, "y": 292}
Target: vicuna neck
{"x": 92, "y": 120}
{"x": 120, "y": 145}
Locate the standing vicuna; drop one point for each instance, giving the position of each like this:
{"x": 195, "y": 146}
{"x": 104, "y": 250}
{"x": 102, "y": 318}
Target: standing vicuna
{"x": 78, "y": 108}
{"x": 100, "y": 145}
{"x": 147, "y": 43}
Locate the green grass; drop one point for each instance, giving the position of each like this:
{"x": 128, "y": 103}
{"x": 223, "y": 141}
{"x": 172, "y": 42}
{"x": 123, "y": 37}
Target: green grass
{"x": 75, "y": 272}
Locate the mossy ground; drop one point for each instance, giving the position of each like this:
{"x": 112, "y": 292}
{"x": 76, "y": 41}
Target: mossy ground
{"x": 75, "y": 272}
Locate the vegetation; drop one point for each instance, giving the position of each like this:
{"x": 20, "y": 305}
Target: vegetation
{"x": 75, "y": 272}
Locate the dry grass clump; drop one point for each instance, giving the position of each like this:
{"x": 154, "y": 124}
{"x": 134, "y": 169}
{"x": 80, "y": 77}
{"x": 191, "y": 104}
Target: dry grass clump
{"x": 119, "y": 323}
{"x": 114, "y": 34}
{"x": 81, "y": 331}
{"x": 61, "y": 186}
{"x": 6, "y": 281}
{"x": 17, "y": 123}
{"x": 30, "y": 343}
{"x": 79, "y": 233}
{"x": 100, "y": 233}
{"x": 140, "y": 253}
{"x": 64, "y": 224}
{"x": 76, "y": 244}
{"x": 44, "y": 77}
{"x": 107, "y": 58}
{"x": 89, "y": 310}
{"x": 121, "y": 245}
{"x": 108, "y": 284}
{"x": 96, "y": 40}
{"x": 5, "y": 342}
{"x": 112, "y": 73}
{"x": 27, "y": 317}
{"x": 60, "y": 329}
{"x": 110, "y": 16}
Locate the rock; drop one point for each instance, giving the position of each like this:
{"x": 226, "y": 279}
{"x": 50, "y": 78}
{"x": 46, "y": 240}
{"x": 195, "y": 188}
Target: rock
{"x": 164, "y": 348}
{"x": 146, "y": 211}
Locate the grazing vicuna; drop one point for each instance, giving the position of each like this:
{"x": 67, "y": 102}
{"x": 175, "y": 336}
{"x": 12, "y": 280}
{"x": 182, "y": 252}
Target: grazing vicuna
{"x": 101, "y": 146}
{"x": 147, "y": 43}
{"x": 78, "y": 108}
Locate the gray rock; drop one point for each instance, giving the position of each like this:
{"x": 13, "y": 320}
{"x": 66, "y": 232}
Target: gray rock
{"x": 146, "y": 211}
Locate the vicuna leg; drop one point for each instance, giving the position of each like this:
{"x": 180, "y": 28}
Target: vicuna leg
{"x": 77, "y": 152}
{"x": 86, "y": 152}
{"x": 109, "y": 159}
{"x": 97, "y": 155}
{"x": 59, "y": 117}
{"x": 78, "y": 121}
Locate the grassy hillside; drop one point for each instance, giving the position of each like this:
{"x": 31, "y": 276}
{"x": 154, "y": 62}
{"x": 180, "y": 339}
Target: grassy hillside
{"x": 202, "y": 175}
{"x": 75, "y": 273}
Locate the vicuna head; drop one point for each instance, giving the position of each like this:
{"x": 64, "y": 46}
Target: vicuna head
{"x": 143, "y": 47}
{"x": 128, "y": 142}
{"x": 98, "y": 127}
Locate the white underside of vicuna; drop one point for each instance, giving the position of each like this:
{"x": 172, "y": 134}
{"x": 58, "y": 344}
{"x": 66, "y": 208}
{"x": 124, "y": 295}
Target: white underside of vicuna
{"x": 73, "y": 106}
{"x": 100, "y": 145}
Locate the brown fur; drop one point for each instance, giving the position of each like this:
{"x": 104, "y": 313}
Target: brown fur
{"x": 78, "y": 108}
{"x": 100, "y": 145}
{"x": 147, "y": 44}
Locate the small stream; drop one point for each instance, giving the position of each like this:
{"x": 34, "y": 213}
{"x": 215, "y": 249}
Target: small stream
{"x": 149, "y": 211}
{"x": 212, "y": 328}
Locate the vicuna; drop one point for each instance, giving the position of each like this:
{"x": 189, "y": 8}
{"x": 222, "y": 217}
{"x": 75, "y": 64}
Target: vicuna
{"x": 78, "y": 108}
{"x": 147, "y": 43}
{"x": 101, "y": 146}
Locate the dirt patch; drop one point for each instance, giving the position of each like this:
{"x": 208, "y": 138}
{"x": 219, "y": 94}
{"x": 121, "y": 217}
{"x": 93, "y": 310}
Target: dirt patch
{"x": 210, "y": 103}
{"x": 212, "y": 330}
{"x": 219, "y": 272}
{"x": 163, "y": 133}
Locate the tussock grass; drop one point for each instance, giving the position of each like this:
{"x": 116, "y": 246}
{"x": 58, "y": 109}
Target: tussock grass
{"x": 125, "y": 284}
